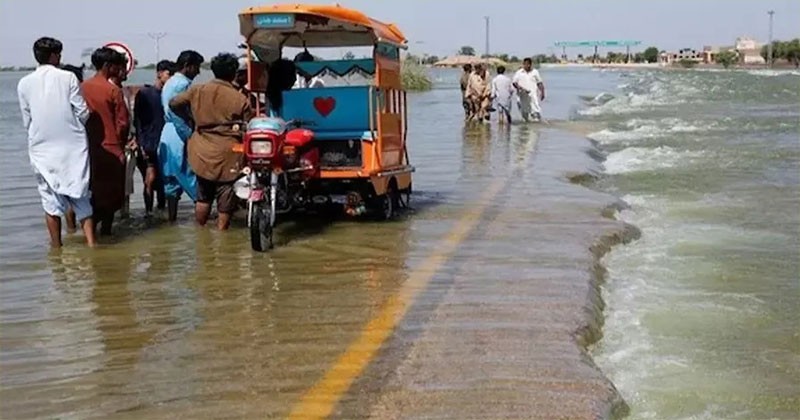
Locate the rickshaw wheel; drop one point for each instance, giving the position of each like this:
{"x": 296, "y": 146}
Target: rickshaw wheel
{"x": 387, "y": 203}
{"x": 404, "y": 198}
{"x": 260, "y": 229}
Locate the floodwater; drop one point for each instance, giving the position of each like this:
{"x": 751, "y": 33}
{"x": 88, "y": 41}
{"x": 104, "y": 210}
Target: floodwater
{"x": 703, "y": 317}
{"x": 483, "y": 298}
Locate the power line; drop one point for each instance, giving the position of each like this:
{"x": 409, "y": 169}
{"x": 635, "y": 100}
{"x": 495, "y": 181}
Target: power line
{"x": 156, "y": 37}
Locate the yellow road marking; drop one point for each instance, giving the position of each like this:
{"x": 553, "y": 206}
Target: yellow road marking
{"x": 320, "y": 400}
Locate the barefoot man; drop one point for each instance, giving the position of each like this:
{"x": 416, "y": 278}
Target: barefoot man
{"x": 54, "y": 113}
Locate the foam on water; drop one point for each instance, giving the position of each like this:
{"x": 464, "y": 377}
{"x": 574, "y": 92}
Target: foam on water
{"x": 672, "y": 125}
{"x": 773, "y": 73}
{"x": 610, "y": 136}
{"x": 644, "y": 129}
{"x": 631, "y": 103}
{"x": 651, "y": 93}
{"x": 635, "y": 159}
{"x": 602, "y": 98}
{"x": 752, "y": 72}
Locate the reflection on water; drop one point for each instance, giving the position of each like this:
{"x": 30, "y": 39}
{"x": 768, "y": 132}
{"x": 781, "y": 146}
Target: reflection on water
{"x": 193, "y": 322}
{"x": 476, "y": 151}
{"x": 172, "y": 320}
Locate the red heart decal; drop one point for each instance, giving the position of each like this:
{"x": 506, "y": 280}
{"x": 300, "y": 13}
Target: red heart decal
{"x": 324, "y": 105}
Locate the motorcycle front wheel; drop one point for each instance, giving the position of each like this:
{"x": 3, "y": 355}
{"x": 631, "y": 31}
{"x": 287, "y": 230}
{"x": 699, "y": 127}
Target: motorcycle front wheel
{"x": 260, "y": 227}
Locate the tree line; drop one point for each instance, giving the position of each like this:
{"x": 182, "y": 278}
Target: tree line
{"x": 17, "y": 68}
{"x": 538, "y": 58}
{"x": 788, "y": 51}
{"x": 650, "y": 55}
{"x": 784, "y": 50}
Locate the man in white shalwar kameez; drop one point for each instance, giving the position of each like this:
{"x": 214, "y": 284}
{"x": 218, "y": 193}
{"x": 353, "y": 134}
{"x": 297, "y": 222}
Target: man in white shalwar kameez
{"x": 530, "y": 91}
{"x": 54, "y": 113}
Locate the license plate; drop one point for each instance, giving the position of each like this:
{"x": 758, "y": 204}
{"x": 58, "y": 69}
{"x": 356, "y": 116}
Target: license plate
{"x": 256, "y": 195}
{"x": 339, "y": 199}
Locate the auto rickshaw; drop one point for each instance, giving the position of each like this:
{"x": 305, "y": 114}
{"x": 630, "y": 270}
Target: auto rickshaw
{"x": 360, "y": 131}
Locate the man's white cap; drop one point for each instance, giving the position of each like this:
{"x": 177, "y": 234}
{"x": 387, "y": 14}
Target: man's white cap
{"x": 242, "y": 63}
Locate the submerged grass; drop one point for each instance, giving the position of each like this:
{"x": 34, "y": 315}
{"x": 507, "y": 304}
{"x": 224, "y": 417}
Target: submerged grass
{"x": 415, "y": 77}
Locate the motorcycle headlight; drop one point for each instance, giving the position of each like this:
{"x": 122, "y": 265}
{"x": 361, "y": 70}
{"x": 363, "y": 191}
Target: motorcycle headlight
{"x": 261, "y": 147}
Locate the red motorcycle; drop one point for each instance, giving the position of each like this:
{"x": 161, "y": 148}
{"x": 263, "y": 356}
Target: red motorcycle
{"x": 280, "y": 161}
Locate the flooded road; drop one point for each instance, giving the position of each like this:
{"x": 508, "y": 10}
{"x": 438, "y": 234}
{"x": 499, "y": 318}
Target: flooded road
{"x": 171, "y": 320}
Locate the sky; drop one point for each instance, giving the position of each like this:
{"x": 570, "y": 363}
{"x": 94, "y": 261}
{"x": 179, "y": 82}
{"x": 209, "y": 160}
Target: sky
{"x": 434, "y": 27}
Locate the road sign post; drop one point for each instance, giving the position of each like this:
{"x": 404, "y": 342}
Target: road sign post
{"x": 124, "y": 50}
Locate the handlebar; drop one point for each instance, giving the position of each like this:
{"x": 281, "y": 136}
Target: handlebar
{"x": 293, "y": 123}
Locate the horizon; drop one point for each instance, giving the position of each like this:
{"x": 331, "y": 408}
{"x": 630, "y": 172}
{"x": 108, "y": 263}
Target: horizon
{"x": 522, "y": 29}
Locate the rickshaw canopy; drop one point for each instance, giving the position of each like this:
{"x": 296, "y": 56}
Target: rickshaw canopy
{"x": 303, "y": 25}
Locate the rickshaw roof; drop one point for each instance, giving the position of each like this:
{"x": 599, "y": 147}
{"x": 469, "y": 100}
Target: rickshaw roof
{"x": 355, "y": 29}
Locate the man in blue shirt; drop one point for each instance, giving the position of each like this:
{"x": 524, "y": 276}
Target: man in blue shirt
{"x": 148, "y": 119}
{"x": 175, "y": 171}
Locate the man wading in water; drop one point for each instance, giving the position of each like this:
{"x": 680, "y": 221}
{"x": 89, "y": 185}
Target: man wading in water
{"x": 129, "y": 93}
{"x": 176, "y": 174}
{"x": 218, "y": 109}
{"x": 54, "y": 113}
{"x": 465, "y": 102}
{"x": 148, "y": 118}
{"x": 108, "y": 130}
{"x": 530, "y": 91}
{"x": 502, "y": 93}
{"x": 479, "y": 93}
{"x": 72, "y": 226}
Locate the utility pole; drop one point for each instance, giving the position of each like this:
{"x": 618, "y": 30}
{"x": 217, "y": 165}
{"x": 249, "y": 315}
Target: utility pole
{"x": 156, "y": 37}
{"x": 421, "y": 54}
{"x": 769, "y": 46}
{"x": 486, "y": 18}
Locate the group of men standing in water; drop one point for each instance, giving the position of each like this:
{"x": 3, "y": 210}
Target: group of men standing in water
{"x": 481, "y": 96}
{"x": 79, "y": 132}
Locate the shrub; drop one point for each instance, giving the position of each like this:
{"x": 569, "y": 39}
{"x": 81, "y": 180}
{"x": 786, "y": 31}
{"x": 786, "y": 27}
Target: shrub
{"x": 415, "y": 77}
{"x": 650, "y": 55}
{"x": 726, "y": 58}
{"x": 686, "y": 63}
